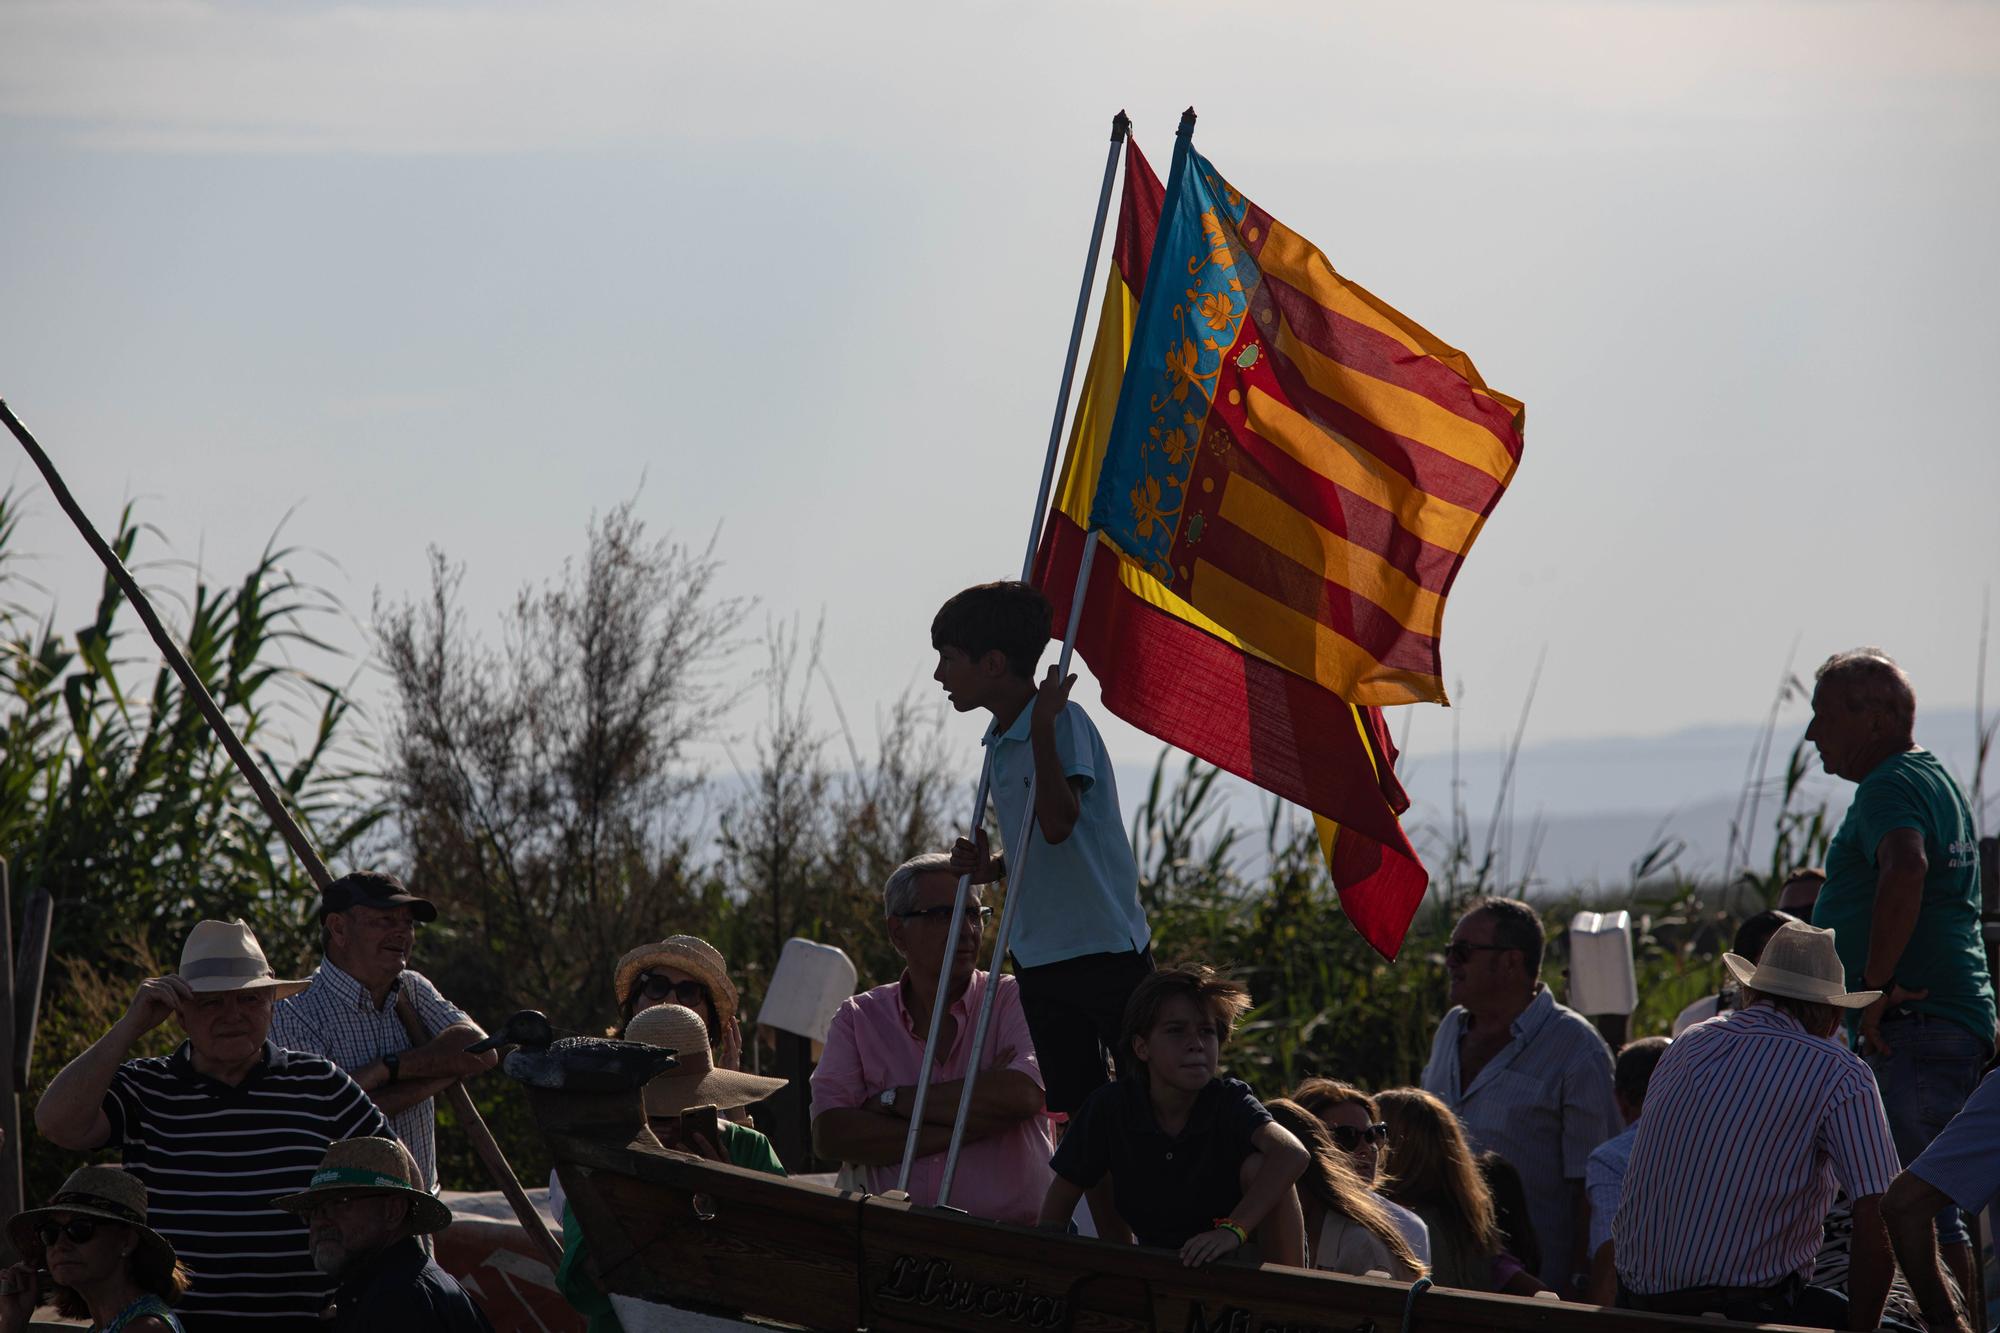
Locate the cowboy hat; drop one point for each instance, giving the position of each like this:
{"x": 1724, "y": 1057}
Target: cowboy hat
{"x": 695, "y": 1081}
{"x": 370, "y": 1166}
{"x": 683, "y": 953}
{"x": 225, "y": 955}
{"x": 106, "y": 1193}
{"x": 1799, "y": 962}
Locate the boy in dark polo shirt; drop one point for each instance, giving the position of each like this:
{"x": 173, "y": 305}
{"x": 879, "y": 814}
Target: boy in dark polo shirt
{"x": 1196, "y": 1163}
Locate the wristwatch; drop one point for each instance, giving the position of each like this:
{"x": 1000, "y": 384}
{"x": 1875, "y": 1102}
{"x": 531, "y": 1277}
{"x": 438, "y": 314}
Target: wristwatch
{"x": 394, "y": 1064}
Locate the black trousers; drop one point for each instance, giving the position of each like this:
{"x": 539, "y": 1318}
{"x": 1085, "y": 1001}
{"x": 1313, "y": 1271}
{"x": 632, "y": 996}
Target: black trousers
{"x": 1076, "y": 1014}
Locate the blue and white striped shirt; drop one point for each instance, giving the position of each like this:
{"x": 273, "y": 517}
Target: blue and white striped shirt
{"x": 1752, "y": 1124}
{"x": 1543, "y": 1103}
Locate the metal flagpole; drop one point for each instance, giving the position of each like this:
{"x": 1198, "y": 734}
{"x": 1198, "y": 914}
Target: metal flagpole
{"x": 1017, "y": 862}
{"x": 1121, "y": 126}
{"x": 1016, "y": 880}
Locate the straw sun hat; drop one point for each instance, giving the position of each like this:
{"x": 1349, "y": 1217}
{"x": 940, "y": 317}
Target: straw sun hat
{"x": 1800, "y": 962}
{"x": 371, "y": 1166}
{"x": 683, "y": 953}
{"x": 225, "y": 955}
{"x": 695, "y": 1081}
{"x": 106, "y": 1193}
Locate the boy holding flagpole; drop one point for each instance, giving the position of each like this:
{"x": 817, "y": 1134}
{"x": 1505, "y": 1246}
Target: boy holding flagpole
{"x": 1080, "y": 940}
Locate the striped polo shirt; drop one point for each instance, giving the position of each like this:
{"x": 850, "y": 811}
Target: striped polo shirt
{"x": 213, "y": 1157}
{"x": 1543, "y": 1103}
{"x": 1752, "y": 1125}
{"x": 336, "y": 1017}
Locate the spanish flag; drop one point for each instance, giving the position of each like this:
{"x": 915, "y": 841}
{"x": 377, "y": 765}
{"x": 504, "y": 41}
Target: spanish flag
{"x": 1255, "y": 439}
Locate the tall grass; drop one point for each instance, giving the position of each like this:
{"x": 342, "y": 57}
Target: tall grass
{"x": 117, "y": 799}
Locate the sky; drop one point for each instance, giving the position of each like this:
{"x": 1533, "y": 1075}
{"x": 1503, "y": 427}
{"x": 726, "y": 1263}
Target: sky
{"x": 800, "y": 277}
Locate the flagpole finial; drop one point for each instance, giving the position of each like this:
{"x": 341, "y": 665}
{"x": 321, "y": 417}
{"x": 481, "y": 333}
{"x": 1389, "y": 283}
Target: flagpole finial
{"x": 1121, "y": 125}
{"x": 1187, "y": 123}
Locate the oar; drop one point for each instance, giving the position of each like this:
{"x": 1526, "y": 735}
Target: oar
{"x": 294, "y": 836}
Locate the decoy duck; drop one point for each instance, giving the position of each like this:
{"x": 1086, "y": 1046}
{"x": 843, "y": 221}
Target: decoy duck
{"x": 574, "y": 1064}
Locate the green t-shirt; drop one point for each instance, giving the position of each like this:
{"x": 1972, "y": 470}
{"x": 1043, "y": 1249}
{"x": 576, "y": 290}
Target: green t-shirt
{"x": 1913, "y": 791}
{"x": 744, "y": 1146}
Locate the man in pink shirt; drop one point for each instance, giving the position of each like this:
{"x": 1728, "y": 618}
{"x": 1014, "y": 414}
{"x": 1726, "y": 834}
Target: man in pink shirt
{"x": 865, "y": 1086}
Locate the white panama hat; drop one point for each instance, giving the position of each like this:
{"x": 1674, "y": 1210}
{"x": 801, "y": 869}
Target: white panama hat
{"x": 225, "y": 955}
{"x": 1800, "y": 962}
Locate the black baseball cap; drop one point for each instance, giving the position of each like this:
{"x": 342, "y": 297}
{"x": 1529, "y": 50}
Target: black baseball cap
{"x": 371, "y": 888}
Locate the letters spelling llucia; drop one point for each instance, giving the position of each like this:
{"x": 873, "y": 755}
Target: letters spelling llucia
{"x": 926, "y": 1280}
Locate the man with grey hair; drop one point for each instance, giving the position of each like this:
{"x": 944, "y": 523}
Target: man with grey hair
{"x": 1527, "y": 1077}
{"x": 1902, "y": 898}
{"x": 864, "y": 1090}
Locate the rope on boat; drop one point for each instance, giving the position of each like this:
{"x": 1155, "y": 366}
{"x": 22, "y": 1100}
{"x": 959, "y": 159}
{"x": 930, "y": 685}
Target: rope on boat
{"x": 1417, "y": 1288}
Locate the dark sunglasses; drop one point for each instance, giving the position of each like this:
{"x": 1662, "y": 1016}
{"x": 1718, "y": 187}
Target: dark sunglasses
{"x": 1461, "y": 953}
{"x": 80, "y": 1230}
{"x": 656, "y": 988}
{"x": 943, "y": 913}
{"x": 1349, "y": 1138}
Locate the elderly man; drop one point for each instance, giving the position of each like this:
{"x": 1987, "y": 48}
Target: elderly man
{"x": 1753, "y": 1121}
{"x": 1527, "y": 1077}
{"x": 349, "y": 1011}
{"x": 1902, "y": 898}
{"x": 217, "y": 1128}
{"x": 864, "y": 1090}
{"x": 366, "y": 1207}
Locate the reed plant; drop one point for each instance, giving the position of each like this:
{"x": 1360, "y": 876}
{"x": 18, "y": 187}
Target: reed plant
{"x": 117, "y": 799}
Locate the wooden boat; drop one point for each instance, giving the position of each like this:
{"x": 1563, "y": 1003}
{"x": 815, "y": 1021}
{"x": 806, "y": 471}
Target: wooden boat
{"x": 682, "y": 1232}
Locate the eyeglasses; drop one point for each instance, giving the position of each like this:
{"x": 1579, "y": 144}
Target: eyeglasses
{"x": 1349, "y": 1137}
{"x": 942, "y": 912}
{"x": 656, "y": 988}
{"x": 1461, "y": 953}
{"x": 80, "y": 1230}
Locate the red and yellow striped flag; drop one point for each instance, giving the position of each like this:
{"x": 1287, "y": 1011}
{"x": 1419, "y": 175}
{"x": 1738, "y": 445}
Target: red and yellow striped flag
{"x": 1171, "y": 670}
{"x": 1302, "y": 465}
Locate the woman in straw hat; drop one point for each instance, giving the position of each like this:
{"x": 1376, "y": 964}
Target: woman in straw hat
{"x": 685, "y": 970}
{"x": 694, "y": 1082}
{"x": 103, "y": 1262}
{"x": 688, "y": 971}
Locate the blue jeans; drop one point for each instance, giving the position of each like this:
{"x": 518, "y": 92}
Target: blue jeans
{"x": 1934, "y": 1067}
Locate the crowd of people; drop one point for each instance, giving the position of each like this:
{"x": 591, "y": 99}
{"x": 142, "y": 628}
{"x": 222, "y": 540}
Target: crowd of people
{"x": 1806, "y": 1146}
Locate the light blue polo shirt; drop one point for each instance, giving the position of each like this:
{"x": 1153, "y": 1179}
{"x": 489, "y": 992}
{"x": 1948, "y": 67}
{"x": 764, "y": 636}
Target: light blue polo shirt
{"x": 1081, "y": 895}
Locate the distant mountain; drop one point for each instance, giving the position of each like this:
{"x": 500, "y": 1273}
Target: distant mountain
{"x": 1587, "y": 809}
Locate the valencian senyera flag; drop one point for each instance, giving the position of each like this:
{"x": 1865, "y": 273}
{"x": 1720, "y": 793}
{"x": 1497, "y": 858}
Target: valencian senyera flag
{"x": 1288, "y": 474}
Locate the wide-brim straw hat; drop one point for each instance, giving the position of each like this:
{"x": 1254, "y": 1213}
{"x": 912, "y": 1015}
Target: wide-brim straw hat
{"x": 104, "y": 1192}
{"x": 225, "y": 955}
{"x": 371, "y": 1166}
{"x": 684, "y": 953}
{"x": 1801, "y": 963}
{"x": 695, "y": 1081}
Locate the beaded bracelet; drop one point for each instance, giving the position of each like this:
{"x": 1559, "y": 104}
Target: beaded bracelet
{"x": 1230, "y": 1225}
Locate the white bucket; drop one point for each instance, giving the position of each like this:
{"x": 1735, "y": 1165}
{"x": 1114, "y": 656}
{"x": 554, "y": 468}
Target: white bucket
{"x": 810, "y": 982}
{"x": 1601, "y": 978}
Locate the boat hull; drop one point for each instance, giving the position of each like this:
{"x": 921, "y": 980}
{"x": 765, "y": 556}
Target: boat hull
{"x": 684, "y": 1232}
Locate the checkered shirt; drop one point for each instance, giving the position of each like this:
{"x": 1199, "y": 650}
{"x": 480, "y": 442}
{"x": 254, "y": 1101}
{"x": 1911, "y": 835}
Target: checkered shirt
{"x": 335, "y": 1017}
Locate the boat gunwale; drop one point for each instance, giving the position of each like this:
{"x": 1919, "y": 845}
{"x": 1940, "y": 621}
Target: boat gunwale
{"x": 878, "y": 1222}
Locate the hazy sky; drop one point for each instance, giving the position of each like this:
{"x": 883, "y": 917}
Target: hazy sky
{"x": 460, "y": 274}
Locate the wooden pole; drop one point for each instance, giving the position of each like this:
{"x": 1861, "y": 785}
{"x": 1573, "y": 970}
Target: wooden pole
{"x": 30, "y": 966}
{"x": 281, "y": 817}
{"x": 486, "y": 1146}
{"x": 12, "y": 1189}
